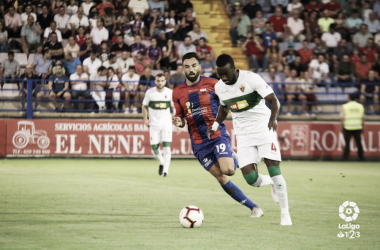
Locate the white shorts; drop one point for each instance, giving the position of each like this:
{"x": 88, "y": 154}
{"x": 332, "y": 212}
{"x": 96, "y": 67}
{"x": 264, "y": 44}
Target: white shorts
{"x": 160, "y": 134}
{"x": 252, "y": 148}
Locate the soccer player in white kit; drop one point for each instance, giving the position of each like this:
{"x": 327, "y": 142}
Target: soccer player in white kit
{"x": 245, "y": 93}
{"x": 159, "y": 101}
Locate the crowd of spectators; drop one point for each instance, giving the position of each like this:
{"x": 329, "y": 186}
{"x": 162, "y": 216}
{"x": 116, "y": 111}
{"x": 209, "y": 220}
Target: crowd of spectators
{"x": 322, "y": 42}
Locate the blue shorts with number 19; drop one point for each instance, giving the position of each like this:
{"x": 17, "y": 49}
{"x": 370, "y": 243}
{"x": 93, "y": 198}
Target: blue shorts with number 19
{"x": 210, "y": 151}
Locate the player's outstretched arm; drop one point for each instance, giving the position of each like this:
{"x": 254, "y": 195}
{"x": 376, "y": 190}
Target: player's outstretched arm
{"x": 274, "y": 108}
{"x": 220, "y": 117}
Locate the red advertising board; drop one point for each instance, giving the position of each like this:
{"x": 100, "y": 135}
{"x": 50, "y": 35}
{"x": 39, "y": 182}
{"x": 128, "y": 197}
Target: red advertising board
{"x": 131, "y": 138}
{"x": 3, "y": 137}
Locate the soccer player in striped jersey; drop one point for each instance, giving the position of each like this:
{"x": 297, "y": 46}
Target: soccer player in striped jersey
{"x": 245, "y": 93}
{"x": 195, "y": 101}
{"x": 159, "y": 102}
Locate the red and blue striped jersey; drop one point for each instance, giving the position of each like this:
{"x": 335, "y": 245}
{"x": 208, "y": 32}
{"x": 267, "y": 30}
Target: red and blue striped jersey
{"x": 199, "y": 105}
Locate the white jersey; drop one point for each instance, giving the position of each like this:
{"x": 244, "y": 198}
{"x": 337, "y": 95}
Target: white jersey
{"x": 159, "y": 106}
{"x": 246, "y": 101}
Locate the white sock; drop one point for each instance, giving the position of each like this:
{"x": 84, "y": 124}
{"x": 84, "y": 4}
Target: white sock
{"x": 263, "y": 180}
{"x": 167, "y": 158}
{"x": 282, "y": 193}
{"x": 158, "y": 155}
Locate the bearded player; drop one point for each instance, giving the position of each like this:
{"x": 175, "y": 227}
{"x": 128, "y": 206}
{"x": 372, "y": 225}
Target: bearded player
{"x": 159, "y": 101}
{"x": 195, "y": 101}
{"x": 245, "y": 93}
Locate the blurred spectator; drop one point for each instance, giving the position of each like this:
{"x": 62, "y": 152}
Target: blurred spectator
{"x": 296, "y": 27}
{"x": 77, "y": 20}
{"x": 289, "y": 56}
{"x": 305, "y": 52}
{"x": 255, "y": 51}
{"x": 56, "y": 4}
{"x": 45, "y": 18}
{"x": 171, "y": 25}
{"x": 156, "y": 24}
{"x": 362, "y": 68}
{"x": 333, "y": 7}
{"x": 272, "y": 77}
{"x": 182, "y": 6}
{"x": 325, "y": 20}
{"x": 13, "y": 22}
{"x": 80, "y": 38}
{"x": 258, "y": 23}
{"x": 70, "y": 63}
{"x": 56, "y": 63}
{"x": 125, "y": 61}
{"x": 308, "y": 89}
{"x": 170, "y": 55}
{"x": 58, "y": 86}
{"x": 156, "y": 4}
{"x": 42, "y": 65}
{"x": 130, "y": 81}
{"x": 178, "y": 78}
{"x": 350, "y": 7}
{"x": 355, "y": 56}
{"x": 55, "y": 47}
{"x": 137, "y": 47}
{"x": 203, "y": 49}
{"x": 313, "y": 6}
{"x": 28, "y": 12}
{"x": 376, "y": 7}
{"x": 319, "y": 70}
{"x": 10, "y": 68}
{"x": 138, "y": 25}
{"x": 293, "y": 90}
{"x": 72, "y": 47}
{"x": 372, "y": 23}
{"x": 339, "y": 51}
{"x": 268, "y": 35}
{"x": 99, "y": 33}
{"x": 120, "y": 46}
{"x": 49, "y": 30}
{"x": 345, "y": 69}
{"x": 79, "y": 88}
{"x": 106, "y": 4}
{"x": 141, "y": 62}
{"x": 370, "y": 50}
{"x": 297, "y": 65}
{"x": 167, "y": 75}
{"x": 63, "y": 22}
{"x": 240, "y": 24}
{"x": 124, "y": 19}
{"x": 208, "y": 66}
{"x": 93, "y": 18}
{"x": 187, "y": 22}
{"x": 295, "y": 5}
{"x": 3, "y": 39}
{"x": 39, "y": 4}
{"x": 154, "y": 54}
{"x": 30, "y": 36}
{"x": 114, "y": 87}
{"x": 360, "y": 38}
{"x": 279, "y": 23}
{"x": 354, "y": 22}
{"x": 98, "y": 83}
{"x": 274, "y": 54}
{"x": 252, "y": 8}
{"x": 27, "y": 75}
{"x": 311, "y": 26}
{"x": 319, "y": 48}
{"x": 145, "y": 82}
{"x": 72, "y": 9}
{"x": 331, "y": 38}
{"x": 111, "y": 63}
{"x": 281, "y": 3}
{"x": 186, "y": 47}
{"x": 341, "y": 25}
{"x": 366, "y": 10}
{"x": 370, "y": 92}
{"x": 197, "y": 34}
{"x": 87, "y": 47}
{"x": 91, "y": 64}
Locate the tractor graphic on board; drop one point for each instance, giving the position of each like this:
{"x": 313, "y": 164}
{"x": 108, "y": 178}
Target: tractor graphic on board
{"x": 27, "y": 134}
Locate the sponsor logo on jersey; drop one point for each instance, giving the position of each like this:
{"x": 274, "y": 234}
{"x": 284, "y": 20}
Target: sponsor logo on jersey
{"x": 160, "y": 105}
{"x": 242, "y": 87}
{"x": 188, "y": 105}
{"x": 203, "y": 91}
{"x": 192, "y": 90}
{"x": 238, "y": 105}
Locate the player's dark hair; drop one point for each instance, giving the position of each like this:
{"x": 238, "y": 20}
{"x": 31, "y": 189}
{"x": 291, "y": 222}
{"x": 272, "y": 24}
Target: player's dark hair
{"x": 101, "y": 68}
{"x": 11, "y": 53}
{"x": 189, "y": 56}
{"x": 352, "y": 97}
{"x": 159, "y": 75}
{"x": 224, "y": 60}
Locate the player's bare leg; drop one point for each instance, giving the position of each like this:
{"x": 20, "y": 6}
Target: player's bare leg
{"x": 280, "y": 187}
{"x": 253, "y": 178}
{"x": 227, "y": 165}
{"x": 233, "y": 190}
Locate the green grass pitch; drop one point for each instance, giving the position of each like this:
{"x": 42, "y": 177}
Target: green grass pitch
{"x": 124, "y": 204}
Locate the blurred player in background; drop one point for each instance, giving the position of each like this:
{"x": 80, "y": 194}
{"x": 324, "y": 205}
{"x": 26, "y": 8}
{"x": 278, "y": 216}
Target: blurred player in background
{"x": 159, "y": 101}
{"x": 245, "y": 93}
{"x": 195, "y": 101}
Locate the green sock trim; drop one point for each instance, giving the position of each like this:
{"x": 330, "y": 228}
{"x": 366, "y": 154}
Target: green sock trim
{"x": 155, "y": 147}
{"x": 251, "y": 177}
{"x": 274, "y": 170}
{"x": 166, "y": 144}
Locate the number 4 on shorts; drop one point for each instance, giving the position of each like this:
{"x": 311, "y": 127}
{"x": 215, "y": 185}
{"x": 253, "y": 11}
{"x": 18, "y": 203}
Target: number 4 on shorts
{"x": 273, "y": 147}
